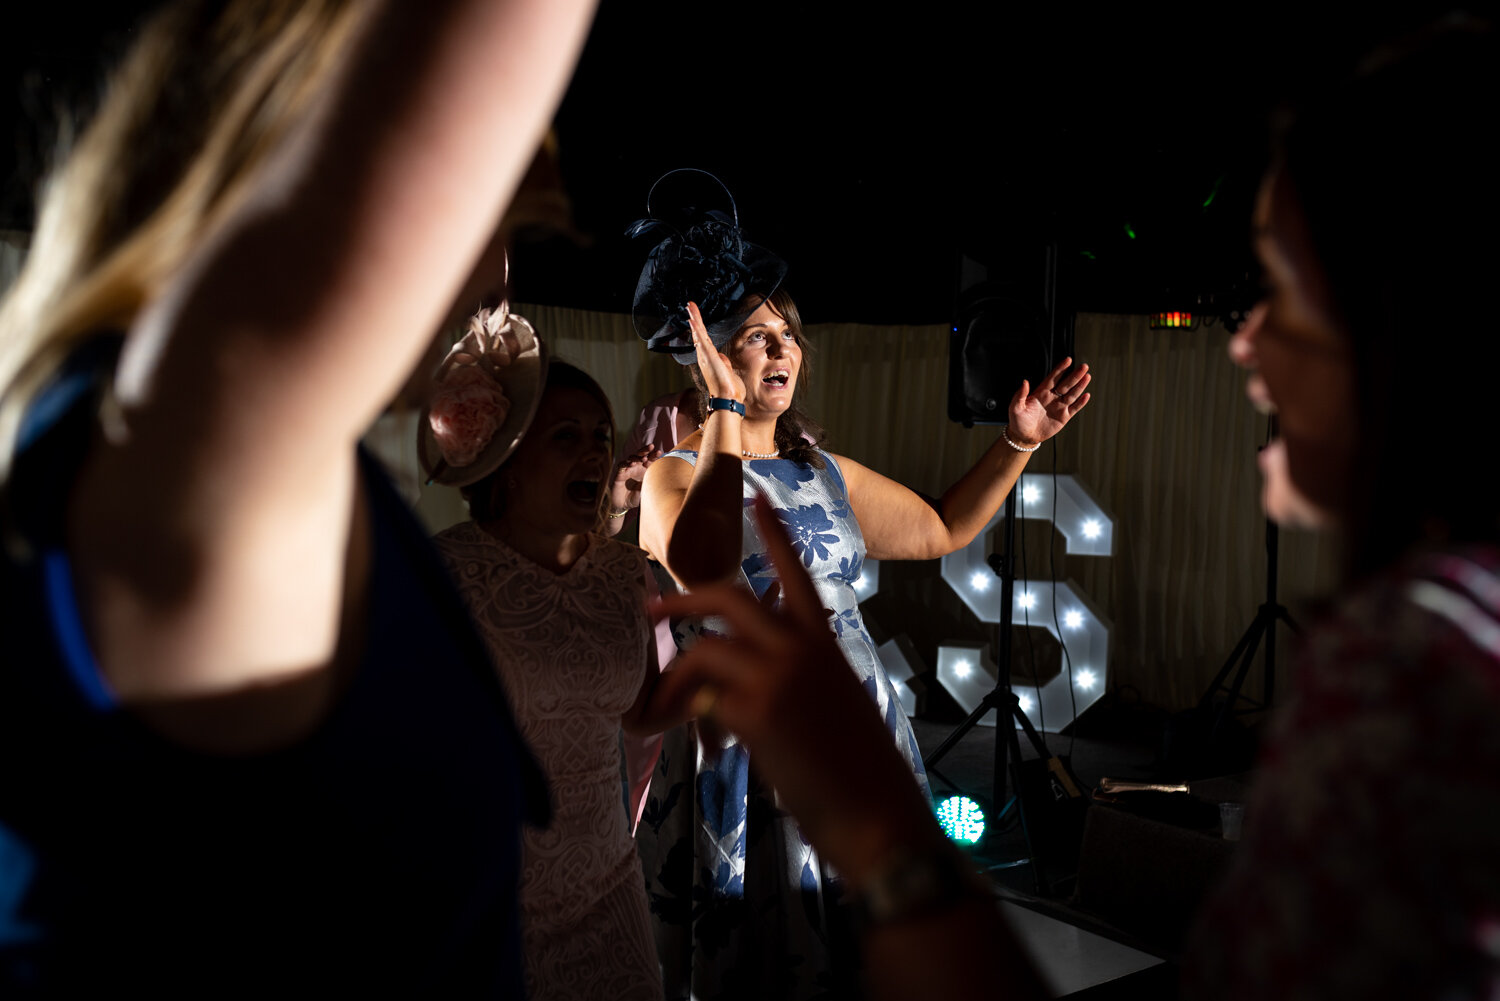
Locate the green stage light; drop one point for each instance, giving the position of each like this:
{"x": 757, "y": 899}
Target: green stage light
{"x": 961, "y": 819}
{"x": 1214, "y": 193}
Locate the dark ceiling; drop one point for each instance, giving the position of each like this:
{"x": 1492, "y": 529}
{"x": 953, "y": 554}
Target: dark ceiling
{"x": 872, "y": 147}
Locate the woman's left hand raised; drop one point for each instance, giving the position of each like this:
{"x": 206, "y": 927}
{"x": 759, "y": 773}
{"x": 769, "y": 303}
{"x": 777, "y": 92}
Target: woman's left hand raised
{"x": 625, "y": 488}
{"x": 719, "y": 377}
{"x": 1038, "y": 414}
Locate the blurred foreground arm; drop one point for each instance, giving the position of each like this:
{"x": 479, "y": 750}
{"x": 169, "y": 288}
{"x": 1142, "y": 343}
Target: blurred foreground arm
{"x": 217, "y": 531}
{"x": 784, "y": 687}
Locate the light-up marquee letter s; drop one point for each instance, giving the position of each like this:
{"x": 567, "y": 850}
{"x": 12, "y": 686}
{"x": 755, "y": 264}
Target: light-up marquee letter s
{"x": 1061, "y": 608}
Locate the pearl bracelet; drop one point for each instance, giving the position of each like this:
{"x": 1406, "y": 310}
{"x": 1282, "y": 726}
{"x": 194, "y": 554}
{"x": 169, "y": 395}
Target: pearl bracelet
{"x": 1018, "y": 448}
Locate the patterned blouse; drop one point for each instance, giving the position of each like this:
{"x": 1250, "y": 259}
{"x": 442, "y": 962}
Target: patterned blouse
{"x": 1371, "y": 861}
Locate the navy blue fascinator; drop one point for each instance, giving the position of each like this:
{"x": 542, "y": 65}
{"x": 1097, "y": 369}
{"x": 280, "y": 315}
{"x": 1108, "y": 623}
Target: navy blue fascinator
{"x": 702, "y": 256}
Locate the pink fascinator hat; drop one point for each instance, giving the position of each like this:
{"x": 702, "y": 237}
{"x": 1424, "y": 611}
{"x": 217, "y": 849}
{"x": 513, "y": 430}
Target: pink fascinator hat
{"x": 486, "y": 394}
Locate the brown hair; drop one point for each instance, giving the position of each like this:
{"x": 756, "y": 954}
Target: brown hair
{"x": 794, "y": 427}
{"x": 1394, "y": 175}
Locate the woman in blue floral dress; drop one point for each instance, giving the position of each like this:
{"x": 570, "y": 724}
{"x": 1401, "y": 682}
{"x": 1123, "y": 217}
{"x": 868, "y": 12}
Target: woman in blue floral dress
{"x": 742, "y": 905}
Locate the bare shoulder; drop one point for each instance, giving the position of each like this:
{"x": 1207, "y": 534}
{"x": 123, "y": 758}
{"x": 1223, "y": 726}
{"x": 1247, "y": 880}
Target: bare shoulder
{"x": 845, "y": 463}
{"x": 663, "y": 492}
{"x": 855, "y": 474}
{"x": 674, "y": 471}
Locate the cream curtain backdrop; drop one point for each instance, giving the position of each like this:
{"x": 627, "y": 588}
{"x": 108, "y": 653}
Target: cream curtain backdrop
{"x": 1167, "y": 445}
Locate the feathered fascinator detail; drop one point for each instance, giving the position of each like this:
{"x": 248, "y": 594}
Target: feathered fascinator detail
{"x": 488, "y": 388}
{"x": 701, "y": 255}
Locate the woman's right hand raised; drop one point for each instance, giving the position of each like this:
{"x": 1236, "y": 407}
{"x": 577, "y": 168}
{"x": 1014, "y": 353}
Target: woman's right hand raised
{"x": 721, "y": 380}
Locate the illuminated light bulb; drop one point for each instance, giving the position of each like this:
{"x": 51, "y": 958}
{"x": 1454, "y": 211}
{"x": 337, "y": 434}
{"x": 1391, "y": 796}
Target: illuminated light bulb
{"x": 1030, "y": 494}
{"x": 1024, "y": 701}
{"x": 961, "y": 819}
{"x": 962, "y": 669}
{"x": 861, "y": 585}
{"x": 980, "y": 581}
{"x": 1092, "y": 529}
{"x": 1027, "y": 600}
{"x": 1073, "y": 619}
{"x": 1087, "y": 679}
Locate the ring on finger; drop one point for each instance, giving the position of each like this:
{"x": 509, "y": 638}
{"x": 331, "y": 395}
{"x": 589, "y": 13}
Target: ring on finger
{"x": 705, "y": 702}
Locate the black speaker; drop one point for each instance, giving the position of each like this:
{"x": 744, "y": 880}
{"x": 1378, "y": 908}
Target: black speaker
{"x": 1004, "y": 331}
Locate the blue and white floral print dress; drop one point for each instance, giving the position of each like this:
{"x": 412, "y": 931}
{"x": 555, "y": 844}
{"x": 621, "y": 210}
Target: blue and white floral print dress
{"x": 738, "y": 897}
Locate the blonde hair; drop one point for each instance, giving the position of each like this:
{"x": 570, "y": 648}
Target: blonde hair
{"x": 204, "y": 96}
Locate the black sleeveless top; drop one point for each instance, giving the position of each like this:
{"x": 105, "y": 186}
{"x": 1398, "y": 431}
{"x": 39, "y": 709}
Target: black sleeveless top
{"x": 377, "y": 855}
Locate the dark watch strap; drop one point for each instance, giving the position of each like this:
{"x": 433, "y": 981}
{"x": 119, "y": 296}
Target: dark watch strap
{"x": 720, "y": 403}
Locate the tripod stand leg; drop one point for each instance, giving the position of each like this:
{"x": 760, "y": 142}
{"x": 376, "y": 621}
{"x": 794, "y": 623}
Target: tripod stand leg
{"x": 989, "y": 702}
{"x": 1282, "y": 615}
{"x": 1003, "y": 703}
{"x": 1012, "y": 746}
{"x": 1268, "y": 683}
{"x": 945, "y": 780}
{"x": 1250, "y": 635}
{"x": 1257, "y": 630}
{"x": 1262, "y": 626}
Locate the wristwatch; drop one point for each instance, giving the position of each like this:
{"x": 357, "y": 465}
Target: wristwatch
{"x": 720, "y": 403}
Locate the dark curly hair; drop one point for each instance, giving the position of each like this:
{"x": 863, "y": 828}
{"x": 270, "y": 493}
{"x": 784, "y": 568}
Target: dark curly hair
{"x": 1394, "y": 174}
{"x": 798, "y": 436}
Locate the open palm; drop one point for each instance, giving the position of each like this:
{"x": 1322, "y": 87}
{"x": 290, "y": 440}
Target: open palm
{"x": 1038, "y": 414}
{"x": 719, "y": 377}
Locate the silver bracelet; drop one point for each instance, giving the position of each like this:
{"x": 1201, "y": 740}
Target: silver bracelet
{"x": 1018, "y": 448}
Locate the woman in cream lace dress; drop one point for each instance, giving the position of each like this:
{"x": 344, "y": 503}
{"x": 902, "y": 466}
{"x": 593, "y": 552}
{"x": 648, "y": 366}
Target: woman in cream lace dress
{"x": 563, "y": 613}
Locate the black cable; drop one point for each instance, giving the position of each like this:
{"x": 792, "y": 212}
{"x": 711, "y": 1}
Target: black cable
{"x": 1052, "y": 319}
{"x": 1056, "y": 625}
{"x": 1017, "y": 497}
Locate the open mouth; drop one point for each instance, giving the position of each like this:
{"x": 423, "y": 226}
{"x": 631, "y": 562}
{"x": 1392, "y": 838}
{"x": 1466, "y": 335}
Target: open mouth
{"x": 584, "y": 491}
{"x": 777, "y": 379}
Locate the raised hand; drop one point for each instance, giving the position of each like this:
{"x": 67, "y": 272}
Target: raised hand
{"x": 625, "y": 488}
{"x": 1036, "y": 415}
{"x": 718, "y": 375}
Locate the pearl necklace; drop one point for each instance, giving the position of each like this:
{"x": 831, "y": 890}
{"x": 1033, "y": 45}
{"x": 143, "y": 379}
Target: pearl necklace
{"x": 755, "y": 455}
